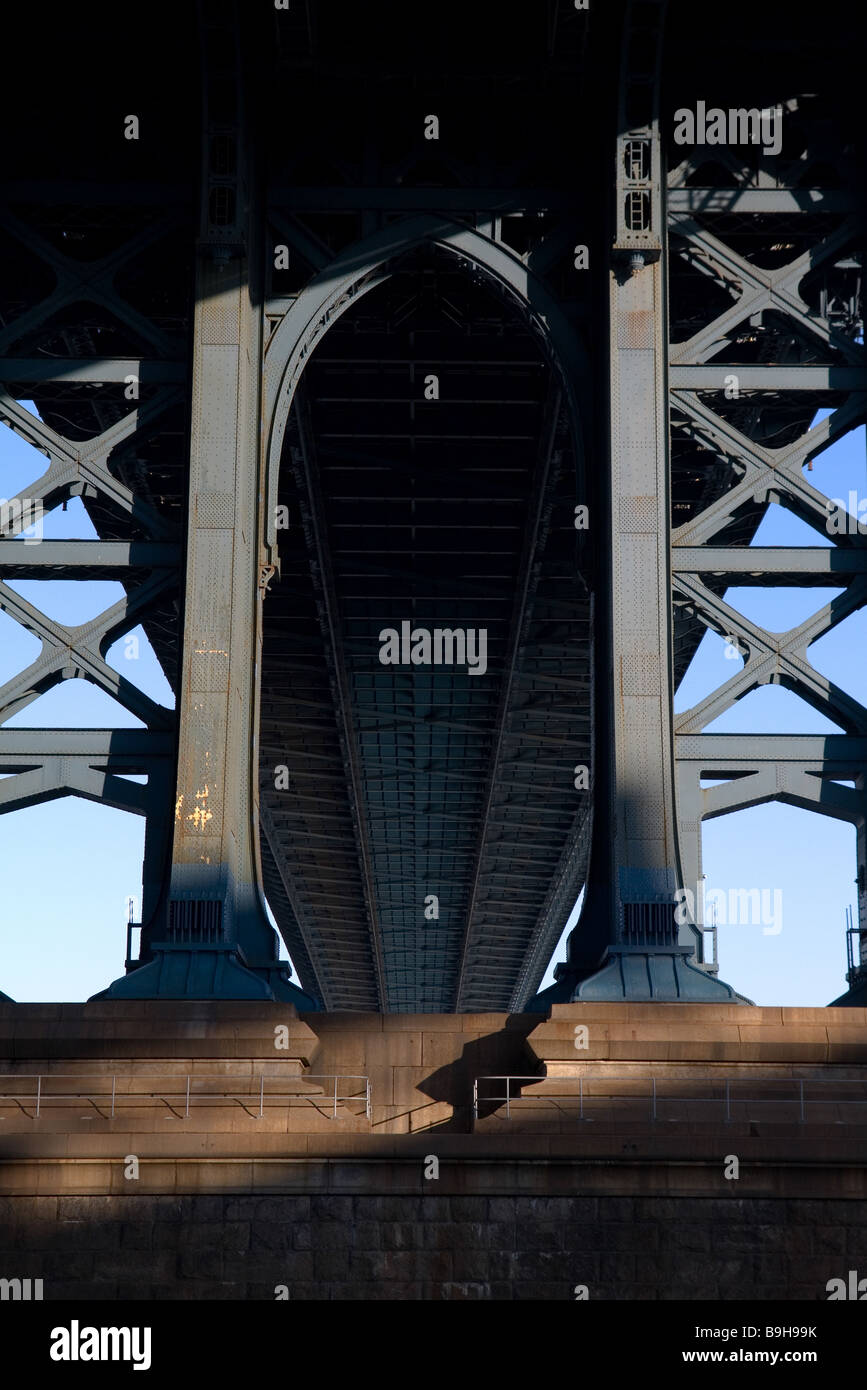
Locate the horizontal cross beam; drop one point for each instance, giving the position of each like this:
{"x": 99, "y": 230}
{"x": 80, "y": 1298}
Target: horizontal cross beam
{"x": 772, "y": 200}
{"x": 502, "y": 200}
{"x": 722, "y": 753}
{"x": 798, "y": 565}
{"x": 135, "y": 747}
{"x": 100, "y": 370}
{"x": 711, "y": 376}
{"x": 112, "y": 559}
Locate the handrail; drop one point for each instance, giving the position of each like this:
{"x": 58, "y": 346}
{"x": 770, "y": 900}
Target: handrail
{"x": 655, "y": 1097}
{"x": 185, "y": 1088}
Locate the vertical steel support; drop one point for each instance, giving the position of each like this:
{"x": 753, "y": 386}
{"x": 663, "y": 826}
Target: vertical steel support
{"x": 211, "y": 937}
{"x": 628, "y": 926}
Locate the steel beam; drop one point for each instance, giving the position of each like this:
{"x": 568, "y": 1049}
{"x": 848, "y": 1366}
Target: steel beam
{"x": 101, "y": 559}
{"x": 127, "y": 750}
{"x": 717, "y": 376}
{"x": 636, "y": 860}
{"x": 527, "y": 581}
{"x": 722, "y": 753}
{"x": 407, "y": 200}
{"x": 153, "y": 371}
{"x": 796, "y": 565}
{"x": 335, "y": 655}
{"x": 761, "y": 200}
{"x": 209, "y": 935}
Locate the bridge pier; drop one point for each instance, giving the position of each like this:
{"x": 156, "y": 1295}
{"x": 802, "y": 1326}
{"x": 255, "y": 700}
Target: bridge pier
{"x": 236, "y": 1150}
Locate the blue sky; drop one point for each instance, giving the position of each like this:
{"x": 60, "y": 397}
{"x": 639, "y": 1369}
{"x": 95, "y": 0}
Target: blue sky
{"x": 69, "y": 866}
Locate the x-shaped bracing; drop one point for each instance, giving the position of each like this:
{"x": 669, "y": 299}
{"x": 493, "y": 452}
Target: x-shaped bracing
{"x": 782, "y": 768}
{"x": 89, "y": 281}
{"x": 69, "y": 652}
{"x": 774, "y": 658}
{"x": 82, "y": 468}
{"x": 768, "y": 474}
{"x": 759, "y": 290}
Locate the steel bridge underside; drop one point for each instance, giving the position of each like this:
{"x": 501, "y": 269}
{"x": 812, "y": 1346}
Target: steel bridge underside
{"x": 422, "y": 837}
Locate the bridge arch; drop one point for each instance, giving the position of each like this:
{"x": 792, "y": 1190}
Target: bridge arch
{"x": 362, "y": 266}
{"x": 534, "y": 313}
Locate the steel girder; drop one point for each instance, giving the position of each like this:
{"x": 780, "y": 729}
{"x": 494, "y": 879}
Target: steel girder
{"x": 710, "y": 548}
{"x": 627, "y": 943}
{"x": 210, "y": 935}
{"x": 43, "y": 764}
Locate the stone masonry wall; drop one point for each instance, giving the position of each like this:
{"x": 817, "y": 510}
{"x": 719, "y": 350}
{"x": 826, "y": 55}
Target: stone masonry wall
{"x": 330, "y": 1247}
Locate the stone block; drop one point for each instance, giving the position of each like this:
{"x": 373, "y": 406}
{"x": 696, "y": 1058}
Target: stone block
{"x": 443, "y": 1049}
{"x": 540, "y": 1291}
{"x": 501, "y": 1209}
{"x": 136, "y": 1235}
{"x": 498, "y": 1235}
{"x": 405, "y": 1082}
{"x": 470, "y": 1264}
{"x": 686, "y": 1237}
{"x": 331, "y": 1236}
{"x": 331, "y": 1208}
{"x": 399, "y": 1208}
{"x": 88, "y": 1209}
{"x": 401, "y": 1235}
{"x": 271, "y": 1236}
{"x": 331, "y": 1264}
{"x": 615, "y": 1269}
{"x": 532, "y": 1234}
{"x": 82, "y": 1290}
{"x": 200, "y": 1264}
{"x": 67, "y": 1264}
{"x": 208, "y": 1209}
{"x": 469, "y": 1208}
{"x": 393, "y": 1049}
{"x": 274, "y": 1266}
{"x": 463, "y": 1292}
{"x": 856, "y": 1245}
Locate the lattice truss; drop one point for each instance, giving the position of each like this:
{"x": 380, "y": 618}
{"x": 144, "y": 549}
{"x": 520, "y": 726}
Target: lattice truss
{"x": 765, "y": 258}
{"x": 84, "y": 314}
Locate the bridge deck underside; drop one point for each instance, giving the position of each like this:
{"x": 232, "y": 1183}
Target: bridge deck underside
{"x": 430, "y": 807}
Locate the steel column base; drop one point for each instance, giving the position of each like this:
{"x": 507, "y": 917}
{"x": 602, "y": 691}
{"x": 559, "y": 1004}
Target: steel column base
{"x": 282, "y": 988}
{"x": 204, "y": 972}
{"x": 636, "y": 973}
{"x": 664, "y": 975}
{"x": 855, "y": 996}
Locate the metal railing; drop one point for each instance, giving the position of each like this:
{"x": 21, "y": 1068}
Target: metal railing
{"x": 726, "y": 1085}
{"x": 182, "y": 1091}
